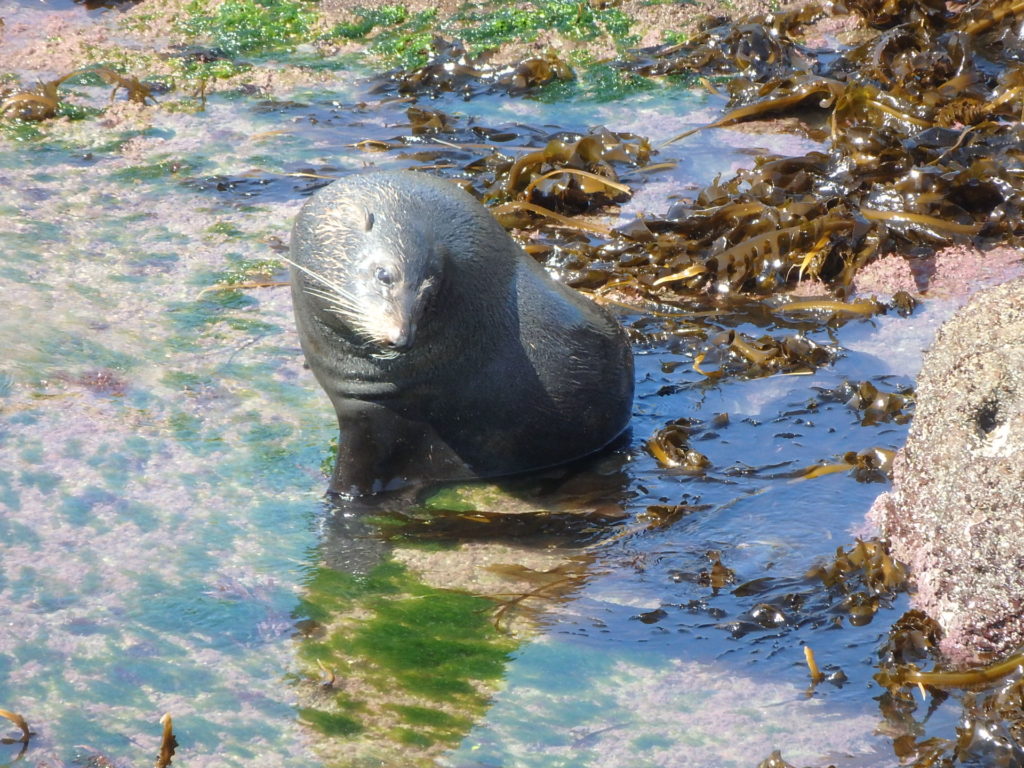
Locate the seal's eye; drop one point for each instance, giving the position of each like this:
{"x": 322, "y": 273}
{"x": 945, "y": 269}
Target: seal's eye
{"x": 384, "y": 276}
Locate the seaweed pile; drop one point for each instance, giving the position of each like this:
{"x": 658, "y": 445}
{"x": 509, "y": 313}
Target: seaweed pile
{"x": 923, "y": 148}
{"x": 451, "y": 68}
{"x": 44, "y": 101}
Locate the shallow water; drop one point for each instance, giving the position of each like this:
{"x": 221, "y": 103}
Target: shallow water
{"x": 161, "y": 485}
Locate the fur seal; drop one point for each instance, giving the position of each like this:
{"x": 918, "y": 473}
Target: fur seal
{"x": 447, "y": 352}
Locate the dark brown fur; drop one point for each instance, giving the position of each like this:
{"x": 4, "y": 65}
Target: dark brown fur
{"x": 447, "y": 352}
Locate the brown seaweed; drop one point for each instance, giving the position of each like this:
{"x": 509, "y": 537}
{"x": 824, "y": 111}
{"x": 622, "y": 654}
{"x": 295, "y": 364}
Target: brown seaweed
{"x": 992, "y": 722}
{"x": 922, "y": 138}
{"x": 671, "y": 450}
{"x": 451, "y": 69}
{"x": 44, "y": 101}
{"x": 22, "y": 725}
{"x": 874, "y": 405}
{"x": 870, "y": 465}
{"x": 168, "y": 743}
{"x": 865, "y": 576}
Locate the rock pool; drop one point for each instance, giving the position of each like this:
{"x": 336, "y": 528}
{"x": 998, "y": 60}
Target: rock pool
{"x": 167, "y": 547}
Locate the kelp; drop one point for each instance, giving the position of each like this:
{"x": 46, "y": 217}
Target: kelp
{"x": 533, "y": 178}
{"x": 450, "y": 68}
{"x": 22, "y": 725}
{"x": 991, "y": 727}
{"x": 168, "y": 741}
{"x": 870, "y": 465}
{"x": 763, "y": 43}
{"x": 658, "y": 516}
{"x": 875, "y": 406}
{"x": 670, "y": 448}
{"x": 865, "y": 576}
{"x": 552, "y": 586}
{"x": 35, "y": 105}
{"x": 734, "y": 353}
{"x": 44, "y": 101}
{"x": 922, "y": 133}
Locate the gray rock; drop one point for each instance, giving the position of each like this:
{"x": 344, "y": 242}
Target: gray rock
{"x": 955, "y": 513}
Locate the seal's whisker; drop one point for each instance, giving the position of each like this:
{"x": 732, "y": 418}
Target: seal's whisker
{"x": 331, "y": 297}
{"x": 334, "y": 296}
{"x": 316, "y": 276}
{"x": 362, "y": 330}
{"x": 346, "y": 305}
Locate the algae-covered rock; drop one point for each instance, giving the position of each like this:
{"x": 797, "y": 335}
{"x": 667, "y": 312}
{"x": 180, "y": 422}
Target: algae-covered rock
{"x": 956, "y": 510}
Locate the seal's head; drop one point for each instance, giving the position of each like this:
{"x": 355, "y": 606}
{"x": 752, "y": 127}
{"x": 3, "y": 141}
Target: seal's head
{"x": 370, "y": 274}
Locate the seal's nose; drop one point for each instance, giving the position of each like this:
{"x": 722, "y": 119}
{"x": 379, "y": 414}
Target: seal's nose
{"x": 399, "y": 337}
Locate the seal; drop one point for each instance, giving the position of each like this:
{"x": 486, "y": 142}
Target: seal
{"x": 447, "y": 352}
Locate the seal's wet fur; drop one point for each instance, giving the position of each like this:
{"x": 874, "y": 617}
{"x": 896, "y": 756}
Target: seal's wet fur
{"x": 447, "y": 351}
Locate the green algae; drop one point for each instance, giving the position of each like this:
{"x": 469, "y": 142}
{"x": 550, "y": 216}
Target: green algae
{"x": 435, "y": 643}
{"x": 153, "y": 171}
{"x": 246, "y": 26}
{"x": 490, "y": 27}
{"x": 465, "y": 497}
{"x": 412, "y": 738}
{"x": 330, "y": 723}
{"x": 370, "y": 18}
{"x": 407, "y": 45}
{"x": 428, "y": 654}
{"x": 430, "y": 717}
{"x": 244, "y": 270}
{"x": 596, "y": 81}
{"x": 224, "y": 227}
{"x": 20, "y": 130}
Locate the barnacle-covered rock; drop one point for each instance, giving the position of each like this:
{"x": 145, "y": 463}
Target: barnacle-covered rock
{"x": 955, "y": 511}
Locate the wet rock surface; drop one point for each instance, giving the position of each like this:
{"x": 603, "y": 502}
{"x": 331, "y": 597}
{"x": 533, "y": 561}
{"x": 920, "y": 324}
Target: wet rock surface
{"x": 954, "y": 513}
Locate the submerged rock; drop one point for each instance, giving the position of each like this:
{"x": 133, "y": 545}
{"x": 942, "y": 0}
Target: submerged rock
{"x": 955, "y": 513}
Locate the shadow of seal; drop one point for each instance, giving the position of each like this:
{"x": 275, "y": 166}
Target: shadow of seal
{"x": 447, "y": 352}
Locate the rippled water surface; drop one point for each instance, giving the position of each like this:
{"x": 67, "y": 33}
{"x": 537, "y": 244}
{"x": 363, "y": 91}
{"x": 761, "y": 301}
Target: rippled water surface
{"x": 165, "y": 540}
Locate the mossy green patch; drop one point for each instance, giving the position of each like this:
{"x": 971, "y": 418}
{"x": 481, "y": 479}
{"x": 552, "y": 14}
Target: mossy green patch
{"x": 73, "y": 111}
{"x": 329, "y": 592}
{"x": 248, "y": 26}
{"x": 433, "y": 718}
{"x": 224, "y": 228}
{"x": 434, "y": 643}
{"x": 248, "y": 270}
{"x": 20, "y": 130}
{"x": 198, "y": 74}
{"x": 327, "y": 464}
{"x": 216, "y": 306}
{"x": 420, "y": 640}
{"x": 595, "y": 81}
{"x": 330, "y": 723}
{"x": 368, "y": 19}
{"x": 408, "y": 44}
{"x": 490, "y": 27}
{"x": 412, "y": 738}
{"x": 468, "y": 497}
{"x": 672, "y": 37}
{"x": 151, "y": 171}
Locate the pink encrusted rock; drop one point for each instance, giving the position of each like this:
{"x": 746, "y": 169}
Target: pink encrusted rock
{"x": 955, "y": 513}
{"x": 887, "y": 275}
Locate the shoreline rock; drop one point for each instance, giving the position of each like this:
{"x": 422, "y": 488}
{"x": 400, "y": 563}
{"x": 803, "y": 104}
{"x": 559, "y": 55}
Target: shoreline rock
{"x": 955, "y": 513}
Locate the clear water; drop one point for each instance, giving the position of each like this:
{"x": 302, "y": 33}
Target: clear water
{"x": 161, "y": 511}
